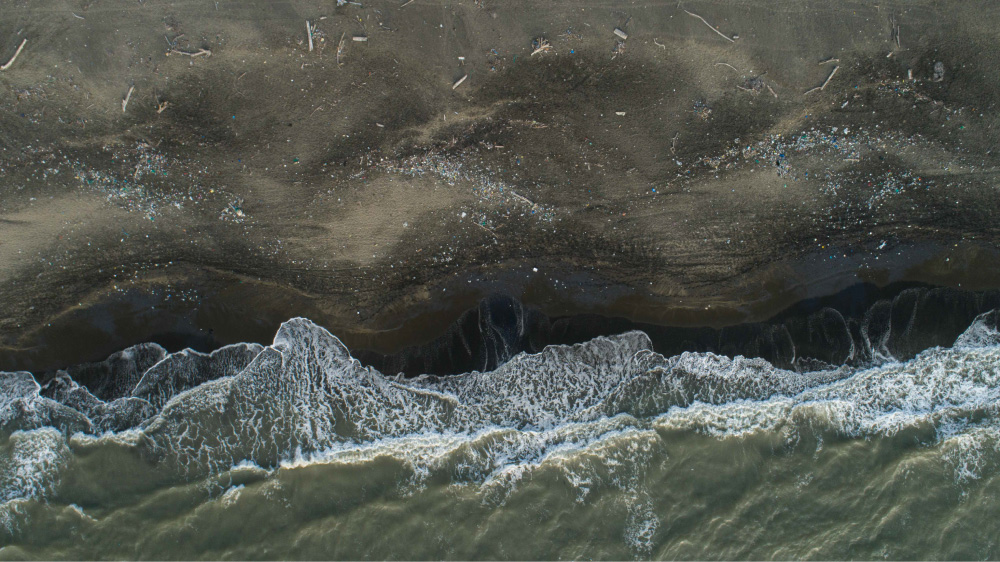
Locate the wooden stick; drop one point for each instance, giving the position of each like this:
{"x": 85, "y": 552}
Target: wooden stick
{"x": 827, "y": 61}
{"x": 658, "y": 44}
{"x": 11, "y": 61}
{"x": 128, "y": 96}
{"x": 543, "y": 46}
{"x": 726, "y": 64}
{"x": 828, "y": 78}
{"x": 523, "y": 198}
{"x": 340, "y": 48}
{"x": 408, "y": 2}
{"x": 309, "y": 34}
{"x": 721, "y": 34}
{"x": 459, "y": 82}
{"x": 200, "y": 53}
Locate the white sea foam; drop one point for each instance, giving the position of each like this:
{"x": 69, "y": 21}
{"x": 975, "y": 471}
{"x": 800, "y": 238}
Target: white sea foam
{"x": 30, "y": 466}
{"x": 594, "y": 412}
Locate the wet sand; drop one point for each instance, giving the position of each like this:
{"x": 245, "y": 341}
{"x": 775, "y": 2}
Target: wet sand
{"x": 677, "y": 178}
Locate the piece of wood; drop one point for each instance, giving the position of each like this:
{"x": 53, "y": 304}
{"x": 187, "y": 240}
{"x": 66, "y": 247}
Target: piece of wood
{"x": 199, "y": 53}
{"x": 721, "y": 34}
{"x": 523, "y": 198}
{"x": 828, "y": 78}
{"x": 459, "y": 82}
{"x": 309, "y": 34}
{"x": 620, "y": 33}
{"x": 823, "y": 87}
{"x": 128, "y": 96}
{"x": 13, "y": 58}
{"x": 543, "y": 46}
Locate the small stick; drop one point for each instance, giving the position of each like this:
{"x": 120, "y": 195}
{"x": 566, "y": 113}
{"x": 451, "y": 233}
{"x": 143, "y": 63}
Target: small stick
{"x": 200, "y": 53}
{"x": 523, "y": 198}
{"x": 459, "y": 82}
{"x": 340, "y": 48}
{"x": 827, "y": 61}
{"x": 721, "y": 34}
{"x": 828, "y": 78}
{"x": 543, "y": 47}
{"x": 408, "y": 2}
{"x": 128, "y": 96}
{"x": 309, "y": 34}
{"x": 482, "y": 226}
{"x": 78, "y": 16}
{"x": 162, "y": 106}
{"x": 658, "y": 44}
{"x": 11, "y": 61}
{"x": 726, "y": 64}
{"x": 772, "y": 91}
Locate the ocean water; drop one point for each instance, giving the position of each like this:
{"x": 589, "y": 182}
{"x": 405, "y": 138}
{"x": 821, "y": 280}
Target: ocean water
{"x": 604, "y": 449}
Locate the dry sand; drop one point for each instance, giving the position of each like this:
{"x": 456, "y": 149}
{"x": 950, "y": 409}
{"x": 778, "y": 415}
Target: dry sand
{"x": 676, "y": 177}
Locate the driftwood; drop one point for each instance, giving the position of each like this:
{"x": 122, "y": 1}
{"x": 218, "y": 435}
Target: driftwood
{"x": 710, "y": 26}
{"x": 128, "y": 96}
{"x": 828, "y": 78}
{"x": 18, "y": 52}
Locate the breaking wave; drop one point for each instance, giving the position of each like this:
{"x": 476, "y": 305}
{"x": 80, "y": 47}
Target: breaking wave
{"x": 598, "y": 416}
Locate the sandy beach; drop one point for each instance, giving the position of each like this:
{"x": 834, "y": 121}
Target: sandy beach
{"x": 371, "y": 163}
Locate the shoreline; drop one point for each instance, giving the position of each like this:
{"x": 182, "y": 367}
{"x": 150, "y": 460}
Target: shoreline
{"x": 225, "y": 311}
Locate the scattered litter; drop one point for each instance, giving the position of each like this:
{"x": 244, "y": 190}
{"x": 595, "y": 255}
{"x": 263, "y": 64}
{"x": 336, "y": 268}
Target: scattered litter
{"x": 938, "y": 71}
{"x": 618, "y": 50}
{"x": 620, "y": 113}
{"x": 360, "y": 38}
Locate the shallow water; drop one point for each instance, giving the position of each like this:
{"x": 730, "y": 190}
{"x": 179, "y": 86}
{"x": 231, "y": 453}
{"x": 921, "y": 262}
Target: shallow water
{"x": 600, "y": 450}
